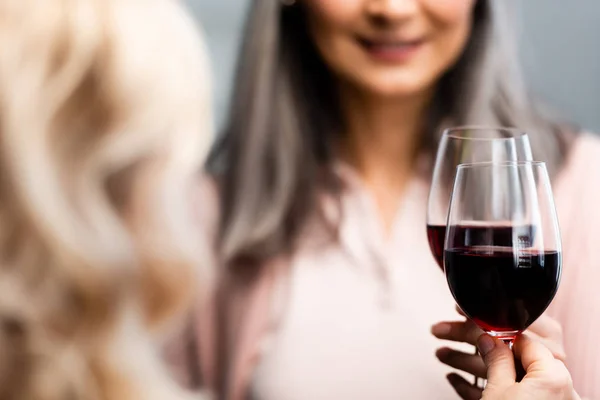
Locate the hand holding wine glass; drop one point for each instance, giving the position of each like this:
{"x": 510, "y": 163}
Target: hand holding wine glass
{"x": 545, "y": 377}
{"x": 545, "y": 330}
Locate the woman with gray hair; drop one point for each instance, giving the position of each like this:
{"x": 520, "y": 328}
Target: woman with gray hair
{"x": 328, "y": 289}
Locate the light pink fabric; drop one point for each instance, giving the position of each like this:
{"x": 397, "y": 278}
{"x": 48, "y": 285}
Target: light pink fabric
{"x": 352, "y": 320}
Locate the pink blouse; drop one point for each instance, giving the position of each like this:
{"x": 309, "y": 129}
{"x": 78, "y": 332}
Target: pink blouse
{"x": 352, "y": 320}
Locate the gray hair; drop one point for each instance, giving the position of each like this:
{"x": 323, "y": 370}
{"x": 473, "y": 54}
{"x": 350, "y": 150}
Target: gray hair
{"x": 275, "y": 154}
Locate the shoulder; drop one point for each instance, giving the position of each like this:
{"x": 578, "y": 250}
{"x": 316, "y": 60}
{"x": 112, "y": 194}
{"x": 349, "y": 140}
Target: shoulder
{"x": 586, "y": 143}
{"x": 581, "y": 170}
{"x": 577, "y": 198}
{"x": 584, "y": 150}
{"x": 577, "y": 195}
{"x": 577, "y": 185}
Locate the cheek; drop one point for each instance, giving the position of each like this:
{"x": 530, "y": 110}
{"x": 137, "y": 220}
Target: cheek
{"x": 328, "y": 20}
{"x": 330, "y": 15}
{"x": 328, "y": 8}
{"x": 449, "y": 12}
{"x": 330, "y": 23}
{"x": 451, "y": 20}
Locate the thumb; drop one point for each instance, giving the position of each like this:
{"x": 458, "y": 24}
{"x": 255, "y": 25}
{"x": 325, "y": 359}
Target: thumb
{"x": 499, "y": 360}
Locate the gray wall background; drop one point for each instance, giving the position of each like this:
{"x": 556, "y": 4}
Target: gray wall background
{"x": 559, "y": 41}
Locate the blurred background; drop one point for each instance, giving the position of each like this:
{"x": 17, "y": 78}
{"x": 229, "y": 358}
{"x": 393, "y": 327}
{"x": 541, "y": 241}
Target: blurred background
{"x": 558, "y": 43}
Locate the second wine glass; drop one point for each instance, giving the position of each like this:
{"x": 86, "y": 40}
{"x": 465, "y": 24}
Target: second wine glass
{"x": 466, "y": 145}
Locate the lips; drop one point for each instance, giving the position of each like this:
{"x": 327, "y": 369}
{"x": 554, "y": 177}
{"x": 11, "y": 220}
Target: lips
{"x": 390, "y": 50}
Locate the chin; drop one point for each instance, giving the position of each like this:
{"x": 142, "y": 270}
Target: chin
{"x": 399, "y": 83}
{"x": 396, "y": 89}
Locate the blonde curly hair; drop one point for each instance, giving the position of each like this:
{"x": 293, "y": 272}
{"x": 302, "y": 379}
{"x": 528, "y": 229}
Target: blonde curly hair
{"x": 104, "y": 122}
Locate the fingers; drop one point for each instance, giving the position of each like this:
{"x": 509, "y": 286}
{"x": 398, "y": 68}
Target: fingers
{"x": 499, "y": 361}
{"x": 463, "y": 331}
{"x": 555, "y": 347}
{"x": 546, "y": 326}
{"x": 545, "y": 329}
{"x": 530, "y": 352}
{"x": 543, "y": 371}
{"x": 548, "y": 331}
{"x": 470, "y": 363}
{"x": 464, "y": 389}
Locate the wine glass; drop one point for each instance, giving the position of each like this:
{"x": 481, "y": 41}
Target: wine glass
{"x": 502, "y": 253}
{"x": 466, "y": 145}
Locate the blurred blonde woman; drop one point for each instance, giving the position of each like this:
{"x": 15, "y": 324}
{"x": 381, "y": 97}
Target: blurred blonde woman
{"x": 104, "y": 121}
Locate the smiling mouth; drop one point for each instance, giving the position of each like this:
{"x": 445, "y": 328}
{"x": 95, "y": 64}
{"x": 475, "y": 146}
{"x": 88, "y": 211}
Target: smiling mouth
{"x": 390, "y": 50}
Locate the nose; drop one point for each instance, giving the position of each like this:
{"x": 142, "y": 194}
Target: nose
{"x": 391, "y": 10}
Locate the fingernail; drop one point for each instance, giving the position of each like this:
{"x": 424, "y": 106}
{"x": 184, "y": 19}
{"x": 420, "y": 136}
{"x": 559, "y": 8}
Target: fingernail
{"x": 485, "y": 344}
{"x": 453, "y": 379}
{"x": 441, "y": 329}
{"x": 442, "y": 353}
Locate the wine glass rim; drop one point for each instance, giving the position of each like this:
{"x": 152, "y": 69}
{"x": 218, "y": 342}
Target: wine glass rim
{"x": 453, "y": 132}
{"x": 519, "y": 163}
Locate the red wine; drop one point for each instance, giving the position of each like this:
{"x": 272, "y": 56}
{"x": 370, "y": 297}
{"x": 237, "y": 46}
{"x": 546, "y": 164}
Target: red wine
{"x": 436, "y": 235}
{"x": 500, "y": 288}
{"x": 466, "y": 235}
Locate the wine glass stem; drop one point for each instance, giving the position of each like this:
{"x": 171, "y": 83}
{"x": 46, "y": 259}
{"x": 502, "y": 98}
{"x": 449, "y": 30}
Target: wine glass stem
{"x": 476, "y": 378}
{"x": 518, "y": 366}
{"x": 509, "y": 342}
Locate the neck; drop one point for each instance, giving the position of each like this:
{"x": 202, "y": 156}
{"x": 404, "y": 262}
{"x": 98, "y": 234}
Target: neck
{"x": 382, "y": 135}
{"x": 381, "y": 142}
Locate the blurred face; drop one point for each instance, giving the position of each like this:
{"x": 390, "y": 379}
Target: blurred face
{"x": 390, "y": 47}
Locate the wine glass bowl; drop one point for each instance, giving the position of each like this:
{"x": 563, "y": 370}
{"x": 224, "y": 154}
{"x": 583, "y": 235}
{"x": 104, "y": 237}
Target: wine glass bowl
{"x": 502, "y": 253}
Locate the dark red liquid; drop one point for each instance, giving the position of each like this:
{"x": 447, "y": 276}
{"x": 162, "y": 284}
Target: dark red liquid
{"x": 465, "y": 235}
{"x": 436, "y": 235}
{"x": 502, "y": 289}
